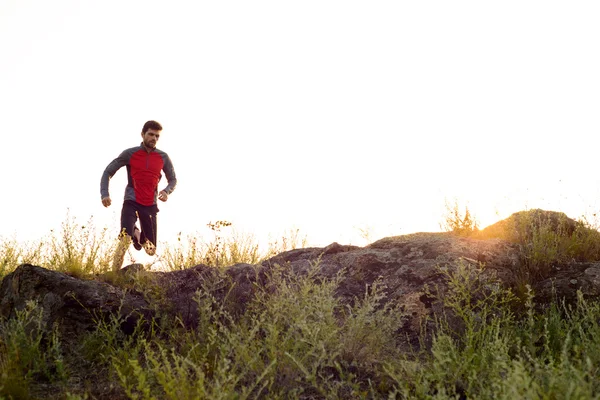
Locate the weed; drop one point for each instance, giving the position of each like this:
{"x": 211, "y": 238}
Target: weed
{"x": 14, "y": 253}
{"x": 27, "y": 353}
{"x": 497, "y": 355}
{"x": 462, "y": 224}
{"x": 225, "y": 250}
{"x": 79, "y": 250}
{"x": 10, "y": 256}
{"x": 547, "y": 240}
{"x": 368, "y": 333}
{"x": 295, "y": 339}
{"x": 289, "y": 240}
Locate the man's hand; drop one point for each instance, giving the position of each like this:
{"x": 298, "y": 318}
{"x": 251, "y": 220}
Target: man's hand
{"x": 163, "y": 196}
{"x": 106, "y": 201}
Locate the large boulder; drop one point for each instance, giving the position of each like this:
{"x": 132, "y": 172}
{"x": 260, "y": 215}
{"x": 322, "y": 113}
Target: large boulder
{"x": 74, "y": 306}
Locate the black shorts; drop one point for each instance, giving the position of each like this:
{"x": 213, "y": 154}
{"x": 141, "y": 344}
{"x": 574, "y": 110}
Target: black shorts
{"x": 133, "y": 211}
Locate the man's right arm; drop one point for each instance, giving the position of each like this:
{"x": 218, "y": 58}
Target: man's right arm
{"x": 110, "y": 170}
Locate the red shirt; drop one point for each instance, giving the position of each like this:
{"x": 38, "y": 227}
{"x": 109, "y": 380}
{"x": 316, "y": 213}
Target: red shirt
{"x": 143, "y": 174}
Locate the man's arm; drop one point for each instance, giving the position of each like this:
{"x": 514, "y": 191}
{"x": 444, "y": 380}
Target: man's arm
{"x": 169, "y": 174}
{"x": 110, "y": 170}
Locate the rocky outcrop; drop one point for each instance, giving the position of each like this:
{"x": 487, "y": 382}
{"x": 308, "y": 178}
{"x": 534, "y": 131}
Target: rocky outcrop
{"x": 408, "y": 266}
{"x": 521, "y": 225}
{"x": 73, "y": 305}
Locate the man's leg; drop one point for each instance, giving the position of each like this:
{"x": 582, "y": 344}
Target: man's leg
{"x": 128, "y": 219}
{"x": 149, "y": 230}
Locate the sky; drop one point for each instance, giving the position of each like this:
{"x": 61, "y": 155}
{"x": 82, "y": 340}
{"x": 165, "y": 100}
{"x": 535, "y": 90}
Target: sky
{"x": 336, "y": 118}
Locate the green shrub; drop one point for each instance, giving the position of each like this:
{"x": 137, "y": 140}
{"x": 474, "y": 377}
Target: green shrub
{"x": 295, "y": 339}
{"x": 27, "y": 353}
{"x": 493, "y": 353}
{"x": 367, "y": 336}
{"x": 548, "y": 240}
{"x": 545, "y": 240}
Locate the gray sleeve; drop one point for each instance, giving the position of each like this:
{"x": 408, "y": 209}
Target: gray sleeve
{"x": 170, "y": 174}
{"x": 111, "y": 169}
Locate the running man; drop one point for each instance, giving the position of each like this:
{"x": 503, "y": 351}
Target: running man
{"x": 144, "y": 165}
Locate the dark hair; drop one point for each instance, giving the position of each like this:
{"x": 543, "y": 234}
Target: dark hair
{"x": 151, "y": 125}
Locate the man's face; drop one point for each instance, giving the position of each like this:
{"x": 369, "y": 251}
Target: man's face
{"x": 150, "y": 138}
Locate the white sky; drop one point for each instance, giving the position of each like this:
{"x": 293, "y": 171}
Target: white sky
{"x": 327, "y": 116}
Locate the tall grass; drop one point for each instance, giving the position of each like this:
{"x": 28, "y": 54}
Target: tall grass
{"x": 549, "y": 240}
{"x": 296, "y": 339}
{"x": 82, "y": 249}
{"x": 76, "y": 249}
{"x": 225, "y": 248}
{"x": 13, "y": 253}
{"x": 458, "y": 222}
{"x": 28, "y": 353}
{"x": 218, "y": 252}
{"x": 545, "y": 240}
{"x": 79, "y": 249}
{"x": 501, "y": 355}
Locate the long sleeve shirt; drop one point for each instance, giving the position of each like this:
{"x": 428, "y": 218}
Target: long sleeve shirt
{"x": 144, "y": 168}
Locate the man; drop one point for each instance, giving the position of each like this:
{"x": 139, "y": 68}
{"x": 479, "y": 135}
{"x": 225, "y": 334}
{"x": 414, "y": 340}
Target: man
{"x": 144, "y": 165}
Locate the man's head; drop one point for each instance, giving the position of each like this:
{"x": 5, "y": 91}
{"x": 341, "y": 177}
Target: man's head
{"x": 151, "y": 133}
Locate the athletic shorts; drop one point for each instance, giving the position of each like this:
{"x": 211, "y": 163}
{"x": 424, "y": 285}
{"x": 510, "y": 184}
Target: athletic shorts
{"x": 133, "y": 211}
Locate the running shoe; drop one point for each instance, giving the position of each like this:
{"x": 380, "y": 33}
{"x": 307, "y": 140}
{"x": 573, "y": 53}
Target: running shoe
{"x": 150, "y": 248}
{"x": 136, "y": 243}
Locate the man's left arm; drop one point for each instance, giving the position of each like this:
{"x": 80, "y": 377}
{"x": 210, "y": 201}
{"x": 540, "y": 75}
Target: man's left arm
{"x": 169, "y": 174}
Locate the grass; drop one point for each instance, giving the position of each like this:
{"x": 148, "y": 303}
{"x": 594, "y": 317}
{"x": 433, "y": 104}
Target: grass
{"x": 458, "y": 222}
{"x": 545, "y": 240}
{"x": 82, "y": 249}
{"x": 28, "y": 354}
{"x": 506, "y": 356}
{"x": 295, "y": 339}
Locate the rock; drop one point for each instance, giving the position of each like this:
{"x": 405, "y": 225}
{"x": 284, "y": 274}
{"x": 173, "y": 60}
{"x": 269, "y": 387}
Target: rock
{"x": 408, "y": 267}
{"x": 404, "y": 265}
{"x": 72, "y": 304}
{"x": 520, "y": 225}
